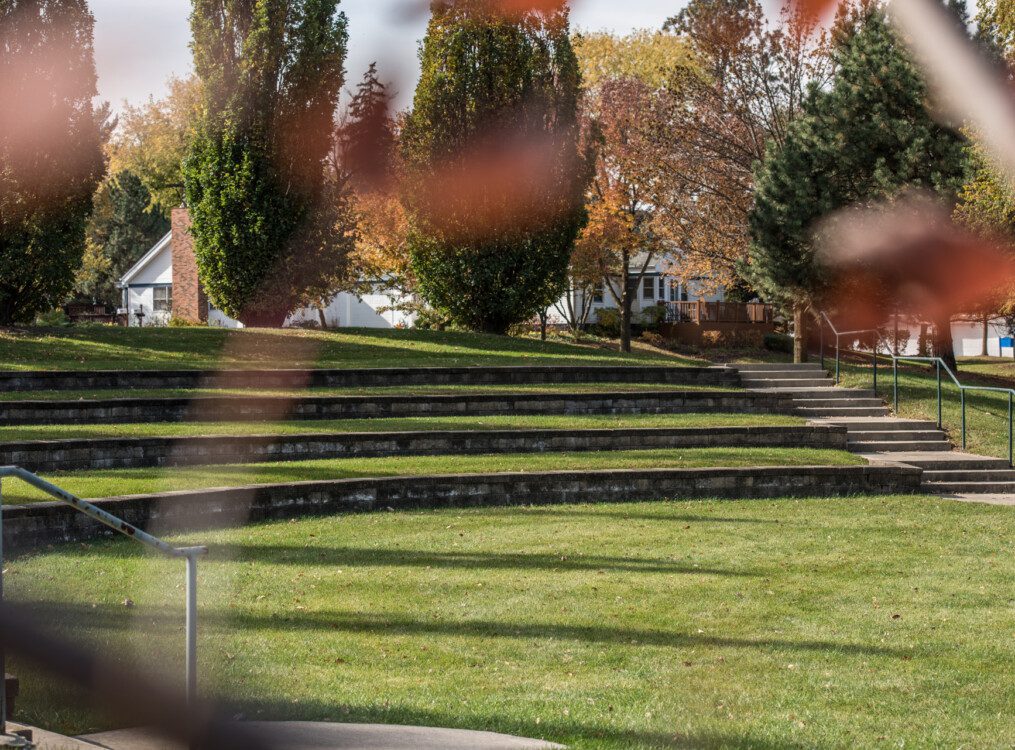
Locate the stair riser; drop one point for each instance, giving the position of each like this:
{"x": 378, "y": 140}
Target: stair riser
{"x": 951, "y": 477}
{"x": 922, "y": 447}
{"x": 957, "y": 464}
{"x": 839, "y": 412}
{"x": 814, "y": 403}
{"x": 972, "y": 488}
{"x": 779, "y": 367}
{"x": 810, "y": 383}
{"x": 859, "y": 436}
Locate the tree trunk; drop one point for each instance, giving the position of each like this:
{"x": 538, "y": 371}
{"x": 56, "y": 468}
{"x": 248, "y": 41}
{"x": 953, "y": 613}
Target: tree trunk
{"x": 542, "y": 325}
{"x": 323, "y": 320}
{"x": 921, "y": 342}
{"x": 944, "y": 347}
{"x": 800, "y": 334}
{"x": 625, "y": 321}
{"x": 986, "y": 335}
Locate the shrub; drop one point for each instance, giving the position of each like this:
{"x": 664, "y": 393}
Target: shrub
{"x": 744, "y": 339}
{"x": 653, "y": 339}
{"x": 779, "y": 342}
{"x": 607, "y": 323}
{"x": 653, "y": 317}
{"x": 175, "y": 322}
{"x": 53, "y": 319}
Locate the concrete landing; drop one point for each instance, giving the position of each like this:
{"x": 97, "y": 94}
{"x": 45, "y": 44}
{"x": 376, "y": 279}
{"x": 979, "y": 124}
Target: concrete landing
{"x": 985, "y": 499}
{"x": 320, "y": 736}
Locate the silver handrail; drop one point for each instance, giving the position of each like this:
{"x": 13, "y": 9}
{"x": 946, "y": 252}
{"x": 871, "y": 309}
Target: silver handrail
{"x": 189, "y": 554}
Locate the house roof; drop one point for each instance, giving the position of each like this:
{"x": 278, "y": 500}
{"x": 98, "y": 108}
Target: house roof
{"x": 147, "y": 258}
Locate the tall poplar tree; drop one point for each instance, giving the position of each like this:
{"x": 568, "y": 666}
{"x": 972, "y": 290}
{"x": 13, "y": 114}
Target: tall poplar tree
{"x": 864, "y": 140}
{"x": 267, "y": 234}
{"x": 491, "y": 148}
{"x": 50, "y": 150}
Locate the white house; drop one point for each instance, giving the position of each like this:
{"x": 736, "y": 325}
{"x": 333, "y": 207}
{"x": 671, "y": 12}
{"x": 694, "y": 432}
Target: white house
{"x": 163, "y": 283}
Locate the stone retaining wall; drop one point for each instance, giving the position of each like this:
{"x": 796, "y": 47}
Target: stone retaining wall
{"x": 391, "y": 376}
{"x": 122, "y": 453}
{"x": 32, "y": 526}
{"x": 246, "y": 408}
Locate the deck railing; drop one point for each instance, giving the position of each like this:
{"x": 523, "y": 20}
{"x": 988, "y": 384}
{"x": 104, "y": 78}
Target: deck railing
{"x": 719, "y": 312}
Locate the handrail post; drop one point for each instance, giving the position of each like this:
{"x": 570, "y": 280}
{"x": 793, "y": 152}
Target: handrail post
{"x": 191, "y": 559}
{"x": 3, "y": 653}
{"x": 837, "y": 359}
{"x": 821, "y": 327}
{"x": 964, "y": 440}
{"x": 1011, "y": 429}
{"x": 940, "y": 399}
{"x": 895, "y": 389}
{"x": 875, "y": 370}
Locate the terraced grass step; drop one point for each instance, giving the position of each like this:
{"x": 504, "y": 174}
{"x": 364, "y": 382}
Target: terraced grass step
{"x": 66, "y": 455}
{"x": 239, "y": 408}
{"x": 364, "y": 378}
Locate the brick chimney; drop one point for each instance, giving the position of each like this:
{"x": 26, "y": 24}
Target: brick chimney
{"x": 189, "y": 300}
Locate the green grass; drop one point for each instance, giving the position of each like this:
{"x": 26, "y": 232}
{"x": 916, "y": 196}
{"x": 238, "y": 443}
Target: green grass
{"x": 998, "y": 368}
{"x": 407, "y": 424}
{"x": 774, "y": 625}
{"x": 413, "y": 390}
{"x": 106, "y": 347}
{"x": 987, "y": 413}
{"x": 116, "y": 482}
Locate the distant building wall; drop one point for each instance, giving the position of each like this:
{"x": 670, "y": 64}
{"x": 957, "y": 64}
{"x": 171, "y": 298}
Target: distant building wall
{"x": 189, "y": 300}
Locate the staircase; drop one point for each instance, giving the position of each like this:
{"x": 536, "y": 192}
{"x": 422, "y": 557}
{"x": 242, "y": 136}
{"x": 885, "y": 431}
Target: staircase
{"x": 876, "y": 435}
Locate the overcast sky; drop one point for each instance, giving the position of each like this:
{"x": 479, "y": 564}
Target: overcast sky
{"x": 140, "y": 43}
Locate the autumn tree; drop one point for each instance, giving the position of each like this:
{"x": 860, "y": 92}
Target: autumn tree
{"x": 490, "y": 149}
{"x": 123, "y": 227}
{"x": 51, "y": 159}
{"x": 267, "y": 229}
{"x": 620, "y": 228}
{"x": 151, "y": 140}
{"x": 868, "y": 138}
{"x": 750, "y": 84}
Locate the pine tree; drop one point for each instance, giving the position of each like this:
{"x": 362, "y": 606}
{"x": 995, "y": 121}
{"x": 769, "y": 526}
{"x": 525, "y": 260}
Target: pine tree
{"x": 495, "y": 193}
{"x": 268, "y": 234}
{"x": 123, "y": 227}
{"x": 50, "y": 150}
{"x": 366, "y": 139}
{"x": 864, "y": 140}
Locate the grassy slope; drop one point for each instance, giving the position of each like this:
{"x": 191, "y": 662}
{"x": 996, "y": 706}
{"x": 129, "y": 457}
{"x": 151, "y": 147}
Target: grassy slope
{"x": 101, "y": 347}
{"x": 366, "y": 391}
{"x": 987, "y": 413}
{"x": 407, "y": 424}
{"x": 874, "y": 623}
{"x": 116, "y": 482}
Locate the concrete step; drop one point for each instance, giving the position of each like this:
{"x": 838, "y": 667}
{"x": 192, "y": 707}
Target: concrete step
{"x": 776, "y": 367}
{"x": 891, "y": 446}
{"x": 787, "y": 382}
{"x": 987, "y": 475}
{"x": 954, "y": 461}
{"x": 971, "y": 488}
{"x": 836, "y": 393}
{"x": 881, "y": 424}
{"x": 837, "y": 402}
{"x": 901, "y": 436}
{"x": 842, "y": 411}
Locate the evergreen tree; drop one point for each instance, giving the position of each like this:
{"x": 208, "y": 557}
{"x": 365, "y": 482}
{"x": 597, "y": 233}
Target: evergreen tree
{"x": 268, "y": 233}
{"x": 124, "y": 226}
{"x": 50, "y": 150}
{"x": 495, "y": 192}
{"x": 864, "y": 140}
{"x": 366, "y": 138}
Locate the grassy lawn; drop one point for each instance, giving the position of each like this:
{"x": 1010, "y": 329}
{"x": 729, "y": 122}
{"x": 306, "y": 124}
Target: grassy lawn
{"x": 111, "y": 348}
{"x": 790, "y": 624}
{"x": 116, "y": 482}
{"x": 999, "y": 368}
{"x": 987, "y": 413}
{"x": 414, "y": 390}
{"x": 406, "y": 424}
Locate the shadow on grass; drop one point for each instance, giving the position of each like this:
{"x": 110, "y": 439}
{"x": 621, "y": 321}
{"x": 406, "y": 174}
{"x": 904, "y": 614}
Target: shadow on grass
{"x": 572, "y": 733}
{"x": 115, "y": 619}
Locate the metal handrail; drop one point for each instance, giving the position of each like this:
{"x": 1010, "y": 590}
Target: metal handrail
{"x": 188, "y": 554}
{"x": 963, "y": 389}
{"x": 838, "y": 345}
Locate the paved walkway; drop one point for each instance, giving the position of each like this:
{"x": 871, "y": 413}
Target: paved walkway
{"x": 319, "y": 736}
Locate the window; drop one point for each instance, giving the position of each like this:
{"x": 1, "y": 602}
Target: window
{"x": 648, "y": 288}
{"x": 662, "y": 288}
{"x": 597, "y": 297}
{"x": 162, "y": 299}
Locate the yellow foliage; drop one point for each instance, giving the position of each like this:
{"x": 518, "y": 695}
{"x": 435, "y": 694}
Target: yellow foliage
{"x": 656, "y": 58}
